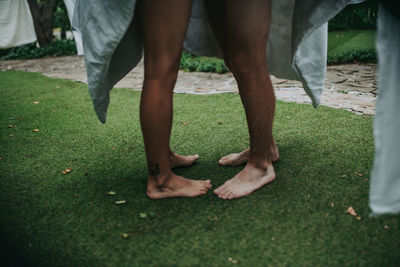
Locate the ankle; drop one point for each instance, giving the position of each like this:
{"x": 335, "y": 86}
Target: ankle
{"x": 260, "y": 164}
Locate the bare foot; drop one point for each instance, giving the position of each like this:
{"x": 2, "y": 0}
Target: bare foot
{"x": 177, "y": 186}
{"x": 246, "y": 181}
{"x": 177, "y": 160}
{"x": 236, "y": 159}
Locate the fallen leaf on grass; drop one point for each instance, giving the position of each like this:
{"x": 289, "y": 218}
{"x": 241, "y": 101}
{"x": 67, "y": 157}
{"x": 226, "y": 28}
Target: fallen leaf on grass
{"x": 35, "y": 102}
{"x": 10, "y": 126}
{"x": 125, "y": 235}
{"x": 332, "y": 204}
{"x": 111, "y": 193}
{"x": 35, "y": 130}
{"x": 386, "y": 227}
{"x": 1, "y": 158}
{"x": 359, "y": 218}
{"x": 232, "y": 260}
{"x": 120, "y": 202}
{"x": 66, "y": 171}
{"x": 186, "y": 123}
{"x": 360, "y": 174}
{"x": 351, "y": 211}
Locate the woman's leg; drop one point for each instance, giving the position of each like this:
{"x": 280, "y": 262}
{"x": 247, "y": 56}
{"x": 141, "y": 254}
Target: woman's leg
{"x": 164, "y": 25}
{"x": 247, "y": 25}
{"x": 218, "y": 19}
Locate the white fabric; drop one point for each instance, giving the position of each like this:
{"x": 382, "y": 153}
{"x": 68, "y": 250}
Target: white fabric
{"x": 385, "y": 181}
{"x": 69, "y": 4}
{"x": 16, "y": 24}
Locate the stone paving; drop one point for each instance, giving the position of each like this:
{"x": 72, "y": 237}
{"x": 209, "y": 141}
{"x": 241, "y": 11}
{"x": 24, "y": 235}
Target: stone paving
{"x": 351, "y": 87}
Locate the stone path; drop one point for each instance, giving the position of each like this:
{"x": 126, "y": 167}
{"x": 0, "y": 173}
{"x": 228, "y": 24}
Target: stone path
{"x": 350, "y": 87}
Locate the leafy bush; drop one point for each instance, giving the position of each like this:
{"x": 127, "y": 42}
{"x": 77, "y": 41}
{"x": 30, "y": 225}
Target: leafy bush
{"x": 56, "y": 48}
{"x": 190, "y": 62}
{"x": 360, "y": 16}
{"x": 353, "y": 56}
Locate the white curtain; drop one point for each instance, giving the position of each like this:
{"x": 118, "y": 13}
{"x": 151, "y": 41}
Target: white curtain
{"x": 16, "y": 24}
{"x": 69, "y": 4}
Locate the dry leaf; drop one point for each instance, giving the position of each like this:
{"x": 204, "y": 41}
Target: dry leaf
{"x": 186, "y": 123}
{"x": 10, "y": 126}
{"x": 332, "y": 204}
{"x": 125, "y": 235}
{"x": 35, "y": 102}
{"x": 35, "y": 130}
{"x": 234, "y": 261}
{"x": 344, "y": 175}
{"x": 360, "y": 174}
{"x": 1, "y": 158}
{"x": 386, "y": 227}
{"x": 120, "y": 202}
{"x": 366, "y": 179}
{"x": 57, "y": 86}
{"x": 66, "y": 171}
{"x": 351, "y": 211}
{"x": 112, "y": 148}
{"x": 359, "y": 218}
{"x": 229, "y": 259}
{"x": 111, "y": 193}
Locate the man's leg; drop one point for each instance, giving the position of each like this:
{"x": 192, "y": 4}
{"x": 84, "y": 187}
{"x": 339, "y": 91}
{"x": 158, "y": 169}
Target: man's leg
{"x": 218, "y": 19}
{"x": 247, "y": 32}
{"x": 164, "y": 25}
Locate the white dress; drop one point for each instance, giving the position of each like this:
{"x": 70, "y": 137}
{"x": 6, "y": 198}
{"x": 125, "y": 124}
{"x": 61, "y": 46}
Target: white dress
{"x": 297, "y": 44}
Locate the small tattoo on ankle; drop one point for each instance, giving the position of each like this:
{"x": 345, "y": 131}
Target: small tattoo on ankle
{"x": 154, "y": 168}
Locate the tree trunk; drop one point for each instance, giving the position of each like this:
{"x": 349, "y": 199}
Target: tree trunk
{"x": 42, "y": 14}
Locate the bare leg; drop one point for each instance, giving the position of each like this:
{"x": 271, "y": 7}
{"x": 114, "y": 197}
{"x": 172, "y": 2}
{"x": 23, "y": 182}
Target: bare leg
{"x": 217, "y": 14}
{"x": 247, "y": 24}
{"x": 164, "y": 25}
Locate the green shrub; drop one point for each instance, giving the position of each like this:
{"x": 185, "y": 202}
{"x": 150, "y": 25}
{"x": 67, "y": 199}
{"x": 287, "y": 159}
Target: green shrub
{"x": 56, "y": 48}
{"x": 190, "y": 62}
{"x": 353, "y": 56}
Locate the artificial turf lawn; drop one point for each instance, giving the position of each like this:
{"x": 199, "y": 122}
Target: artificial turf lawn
{"x": 48, "y": 218}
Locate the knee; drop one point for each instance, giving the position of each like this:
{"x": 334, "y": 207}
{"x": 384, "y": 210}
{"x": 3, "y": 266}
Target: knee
{"x": 245, "y": 62}
{"x": 164, "y": 69}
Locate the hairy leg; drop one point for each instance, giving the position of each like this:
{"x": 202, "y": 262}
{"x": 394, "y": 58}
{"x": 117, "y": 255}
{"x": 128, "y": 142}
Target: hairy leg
{"x": 164, "y": 25}
{"x": 217, "y": 14}
{"x": 247, "y": 25}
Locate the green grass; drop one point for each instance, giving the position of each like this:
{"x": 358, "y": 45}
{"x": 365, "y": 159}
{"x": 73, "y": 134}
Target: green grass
{"x": 51, "y": 219}
{"x": 343, "y": 41}
{"x": 354, "y": 46}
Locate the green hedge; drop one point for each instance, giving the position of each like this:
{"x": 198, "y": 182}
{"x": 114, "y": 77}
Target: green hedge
{"x": 63, "y": 47}
{"x": 353, "y": 56}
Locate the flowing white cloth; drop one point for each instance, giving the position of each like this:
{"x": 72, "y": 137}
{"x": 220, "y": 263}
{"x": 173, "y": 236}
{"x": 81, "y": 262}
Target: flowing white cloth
{"x": 384, "y": 195}
{"x": 70, "y": 4}
{"x": 297, "y": 44}
{"x": 16, "y": 24}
